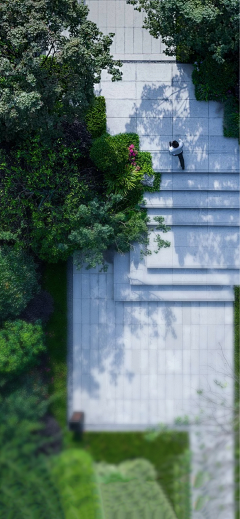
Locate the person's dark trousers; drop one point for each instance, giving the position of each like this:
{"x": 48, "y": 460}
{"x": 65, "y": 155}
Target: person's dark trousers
{"x": 180, "y": 156}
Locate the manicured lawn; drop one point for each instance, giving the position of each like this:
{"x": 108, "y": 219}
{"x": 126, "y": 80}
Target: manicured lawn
{"x": 55, "y": 282}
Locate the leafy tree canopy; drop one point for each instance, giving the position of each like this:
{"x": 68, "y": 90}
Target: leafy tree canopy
{"x": 50, "y": 57}
{"x": 202, "y": 26}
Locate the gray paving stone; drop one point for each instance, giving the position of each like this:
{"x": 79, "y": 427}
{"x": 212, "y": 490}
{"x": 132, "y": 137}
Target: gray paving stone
{"x": 224, "y": 162}
{"x": 122, "y": 125}
{"x": 186, "y": 216}
{"x": 191, "y": 199}
{"x": 192, "y": 126}
{"x": 184, "y": 277}
{"x": 154, "y": 126}
{"x": 189, "y": 108}
{"x": 209, "y": 181}
{"x": 125, "y": 292}
{"x": 154, "y": 72}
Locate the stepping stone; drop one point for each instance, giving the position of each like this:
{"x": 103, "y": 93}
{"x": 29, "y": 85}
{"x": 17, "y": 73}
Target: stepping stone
{"x": 127, "y": 292}
{"x": 196, "y": 247}
{"x": 192, "y": 199}
{"x": 203, "y": 217}
{"x": 207, "y": 181}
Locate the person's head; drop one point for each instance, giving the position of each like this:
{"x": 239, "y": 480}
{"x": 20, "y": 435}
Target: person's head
{"x": 175, "y": 144}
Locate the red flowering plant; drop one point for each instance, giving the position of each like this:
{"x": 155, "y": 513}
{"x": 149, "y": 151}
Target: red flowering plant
{"x": 132, "y": 156}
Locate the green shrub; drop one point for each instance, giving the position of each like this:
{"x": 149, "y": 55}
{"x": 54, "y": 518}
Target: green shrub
{"x": 213, "y": 80}
{"x": 20, "y": 345}
{"x": 144, "y": 160}
{"x": 74, "y": 477}
{"x": 27, "y": 488}
{"x": 231, "y": 118}
{"x": 96, "y": 119}
{"x": 132, "y": 488}
{"x": 18, "y": 281}
{"x": 110, "y": 153}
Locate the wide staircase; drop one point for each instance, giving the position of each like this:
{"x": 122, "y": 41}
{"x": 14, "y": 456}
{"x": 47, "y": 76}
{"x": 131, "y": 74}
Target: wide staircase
{"x": 203, "y": 260}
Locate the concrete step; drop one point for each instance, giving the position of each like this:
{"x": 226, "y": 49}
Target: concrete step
{"x": 192, "y": 199}
{"x": 127, "y": 292}
{"x": 141, "y": 275}
{"x": 196, "y": 247}
{"x": 203, "y": 217}
{"x": 208, "y": 181}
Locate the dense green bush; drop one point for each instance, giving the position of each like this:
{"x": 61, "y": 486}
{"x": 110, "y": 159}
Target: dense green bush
{"x": 96, "y": 118}
{"x": 27, "y": 488}
{"x": 110, "y": 153}
{"x": 20, "y": 345}
{"x": 231, "y": 118}
{"x": 73, "y": 474}
{"x": 18, "y": 281}
{"x": 212, "y": 80}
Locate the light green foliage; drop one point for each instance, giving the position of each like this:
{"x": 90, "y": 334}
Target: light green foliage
{"x": 96, "y": 118}
{"x": 131, "y": 488}
{"x": 231, "y": 118}
{"x": 101, "y": 224}
{"x": 20, "y": 345}
{"x": 181, "y": 486}
{"x": 74, "y": 476}
{"x": 46, "y": 75}
{"x": 213, "y": 80}
{"x": 18, "y": 281}
{"x": 144, "y": 161}
{"x": 27, "y": 489}
{"x": 194, "y": 26}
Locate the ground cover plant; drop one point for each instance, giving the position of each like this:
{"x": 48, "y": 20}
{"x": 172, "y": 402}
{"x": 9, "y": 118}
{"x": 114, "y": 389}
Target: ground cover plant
{"x": 55, "y": 282}
{"x": 19, "y": 281}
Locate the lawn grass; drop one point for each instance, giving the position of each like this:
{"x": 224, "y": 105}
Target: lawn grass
{"x": 237, "y": 395}
{"x": 55, "y": 282}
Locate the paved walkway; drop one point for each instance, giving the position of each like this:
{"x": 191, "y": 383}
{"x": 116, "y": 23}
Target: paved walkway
{"x": 148, "y": 334}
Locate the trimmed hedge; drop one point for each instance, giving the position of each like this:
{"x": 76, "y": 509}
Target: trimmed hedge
{"x": 132, "y": 488}
{"x": 231, "y": 119}
{"x": 18, "y": 281}
{"x": 96, "y": 118}
{"x": 74, "y": 476}
{"x": 212, "y": 80}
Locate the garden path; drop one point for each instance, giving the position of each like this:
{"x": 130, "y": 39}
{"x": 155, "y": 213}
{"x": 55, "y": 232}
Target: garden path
{"x": 148, "y": 334}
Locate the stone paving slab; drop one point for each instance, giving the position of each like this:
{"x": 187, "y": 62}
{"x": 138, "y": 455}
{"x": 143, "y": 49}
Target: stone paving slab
{"x": 127, "y": 292}
{"x": 191, "y": 199}
{"x": 141, "y": 275}
{"x": 203, "y": 217}
{"x": 209, "y": 181}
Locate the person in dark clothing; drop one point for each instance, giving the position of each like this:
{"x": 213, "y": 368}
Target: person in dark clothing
{"x": 175, "y": 148}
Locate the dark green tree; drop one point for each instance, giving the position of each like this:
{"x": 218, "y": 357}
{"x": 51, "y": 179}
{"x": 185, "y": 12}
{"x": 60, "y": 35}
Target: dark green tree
{"x": 50, "y": 57}
{"x": 195, "y": 26}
